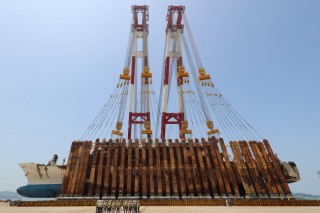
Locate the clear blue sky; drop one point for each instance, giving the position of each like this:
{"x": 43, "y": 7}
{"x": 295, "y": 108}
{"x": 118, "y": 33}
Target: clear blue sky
{"x": 59, "y": 60}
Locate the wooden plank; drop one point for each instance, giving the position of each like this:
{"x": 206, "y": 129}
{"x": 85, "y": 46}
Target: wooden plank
{"x": 274, "y": 192}
{"x": 234, "y": 185}
{"x": 83, "y": 168}
{"x": 99, "y": 182}
{"x": 75, "y": 170}
{"x": 117, "y": 176}
{"x": 129, "y": 187}
{"x": 201, "y": 169}
{"x": 121, "y": 168}
{"x": 143, "y": 169}
{"x": 254, "y": 172}
{"x": 278, "y": 169}
{"x": 262, "y": 168}
{"x": 88, "y": 170}
{"x": 158, "y": 167}
{"x": 238, "y": 178}
{"x": 66, "y": 179}
{"x": 147, "y": 169}
{"x": 165, "y": 168}
{"x": 136, "y": 169}
{"x": 223, "y": 169}
{"x": 244, "y": 174}
{"x": 194, "y": 166}
{"x": 173, "y": 169}
{"x": 188, "y": 169}
{"x": 151, "y": 168}
{"x": 77, "y": 176}
{"x": 114, "y": 168}
{"x": 68, "y": 173}
{"x": 246, "y": 171}
{"x": 106, "y": 167}
{"x": 93, "y": 169}
{"x": 76, "y": 147}
{"x": 271, "y": 169}
{"x": 169, "y": 172}
{"x": 218, "y": 171}
{"x": 181, "y": 176}
{"x": 211, "y": 170}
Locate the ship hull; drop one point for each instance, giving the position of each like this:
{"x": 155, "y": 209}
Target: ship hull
{"x": 43, "y": 181}
{"x": 40, "y": 190}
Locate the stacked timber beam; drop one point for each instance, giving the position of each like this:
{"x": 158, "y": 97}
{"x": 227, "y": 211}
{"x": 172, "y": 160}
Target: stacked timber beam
{"x": 173, "y": 169}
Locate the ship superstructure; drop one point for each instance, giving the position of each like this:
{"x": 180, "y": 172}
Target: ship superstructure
{"x": 43, "y": 180}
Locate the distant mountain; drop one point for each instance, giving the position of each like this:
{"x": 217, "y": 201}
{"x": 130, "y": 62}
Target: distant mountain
{"x": 8, "y": 195}
{"x": 303, "y": 196}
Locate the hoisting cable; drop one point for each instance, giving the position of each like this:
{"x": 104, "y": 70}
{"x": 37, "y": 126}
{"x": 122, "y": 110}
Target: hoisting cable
{"x": 103, "y": 117}
{"x": 239, "y": 117}
{"x": 220, "y": 111}
{"x": 105, "y": 107}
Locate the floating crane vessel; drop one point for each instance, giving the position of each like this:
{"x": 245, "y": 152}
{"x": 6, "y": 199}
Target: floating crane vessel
{"x": 128, "y": 150}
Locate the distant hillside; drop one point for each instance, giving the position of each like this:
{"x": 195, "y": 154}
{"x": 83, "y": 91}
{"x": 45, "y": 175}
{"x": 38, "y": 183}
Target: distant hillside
{"x": 303, "y": 196}
{"x": 8, "y": 195}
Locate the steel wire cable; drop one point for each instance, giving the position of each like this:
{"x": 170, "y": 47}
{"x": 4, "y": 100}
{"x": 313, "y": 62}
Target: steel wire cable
{"x": 129, "y": 50}
{"x": 84, "y": 135}
{"x": 220, "y": 116}
{"x": 238, "y": 115}
{"x": 192, "y": 43}
{"x": 135, "y": 96}
{"x": 196, "y": 53}
{"x": 186, "y": 104}
{"x": 161, "y": 92}
{"x": 102, "y": 120}
{"x": 98, "y": 122}
{"x": 196, "y": 117}
{"x": 224, "y": 116}
{"x": 99, "y": 126}
{"x": 172, "y": 65}
{"x": 197, "y": 84}
{"x": 152, "y": 117}
{"x": 236, "y": 123}
{"x": 195, "y": 80}
{"x": 141, "y": 106}
{"x": 105, "y": 107}
{"x": 198, "y": 60}
{"x": 154, "y": 107}
{"x": 115, "y": 109}
{"x": 232, "y": 114}
{"x": 223, "y": 125}
{"x": 224, "y": 128}
{"x": 123, "y": 102}
{"x": 200, "y": 115}
{"x": 193, "y": 110}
